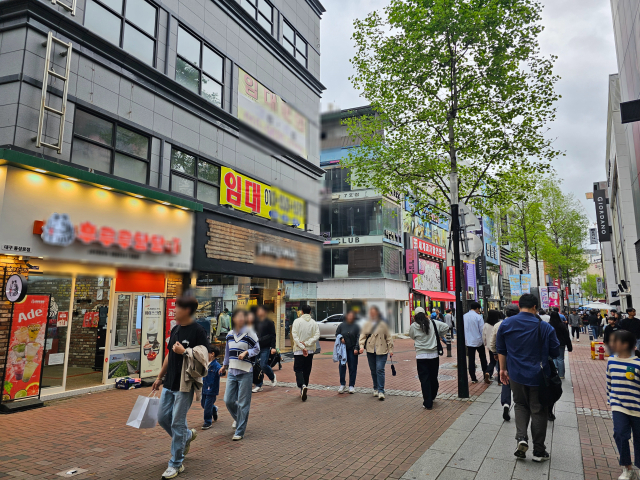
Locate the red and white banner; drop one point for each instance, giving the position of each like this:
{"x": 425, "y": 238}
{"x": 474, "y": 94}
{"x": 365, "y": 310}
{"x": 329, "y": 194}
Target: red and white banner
{"x": 170, "y": 322}
{"x": 451, "y": 280}
{"x": 428, "y": 248}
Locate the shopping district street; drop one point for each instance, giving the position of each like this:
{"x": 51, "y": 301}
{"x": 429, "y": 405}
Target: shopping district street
{"x": 345, "y": 436}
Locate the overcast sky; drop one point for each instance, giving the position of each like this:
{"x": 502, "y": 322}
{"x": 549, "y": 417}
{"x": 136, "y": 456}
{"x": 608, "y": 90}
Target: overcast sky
{"x": 579, "y": 32}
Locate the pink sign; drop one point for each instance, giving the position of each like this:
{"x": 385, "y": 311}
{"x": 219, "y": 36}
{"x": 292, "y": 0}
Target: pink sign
{"x": 412, "y": 261}
{"x": 554, "y": 297}
{"x": 428, "y": 248}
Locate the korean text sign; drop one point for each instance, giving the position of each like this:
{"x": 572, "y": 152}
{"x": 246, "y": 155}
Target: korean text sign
{"x": 248, "y": 195}
{"x": 170, "y": 322}
{"x": 152, "y": 328}
{"x": 27, "y": 339}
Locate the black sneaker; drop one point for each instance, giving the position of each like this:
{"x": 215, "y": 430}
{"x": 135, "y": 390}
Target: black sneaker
{"x": 215, "y": 414}
{"x": 540, "y": 457}
{"x": 552, "y": 417}
{"x": 206, "y": 426}
{"x": 505, "y": 413}
{"x": 303, "y": 394}
{"x": 521, "y": 450}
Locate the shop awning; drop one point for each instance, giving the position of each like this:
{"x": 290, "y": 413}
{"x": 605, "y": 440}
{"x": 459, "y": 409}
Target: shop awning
{"x": 438, "y": 296}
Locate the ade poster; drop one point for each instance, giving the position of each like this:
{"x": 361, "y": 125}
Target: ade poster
{"x": 170, "y": 322}
{"x": 151, "y": 336}
{"x": 27, "y": 339}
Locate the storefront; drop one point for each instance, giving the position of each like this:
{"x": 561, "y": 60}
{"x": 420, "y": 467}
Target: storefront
{"x": 106, "y": 261}
{"x": 240, "y": 264}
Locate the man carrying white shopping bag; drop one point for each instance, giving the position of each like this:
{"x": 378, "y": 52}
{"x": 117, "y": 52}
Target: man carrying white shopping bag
{"x": 186, "y": 362}
{"x": 145, "y": 412}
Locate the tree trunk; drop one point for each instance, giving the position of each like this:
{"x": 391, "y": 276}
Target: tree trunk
{"x": 535, "y": 255}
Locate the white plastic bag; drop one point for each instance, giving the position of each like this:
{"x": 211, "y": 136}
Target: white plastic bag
{"x": 145, "y": 412}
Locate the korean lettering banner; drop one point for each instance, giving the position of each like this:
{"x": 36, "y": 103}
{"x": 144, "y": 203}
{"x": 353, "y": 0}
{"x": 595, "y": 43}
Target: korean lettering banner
{"x": 544, "y": 297}
{"x": 525, "y": 283}
{"x": 554, "y": 297}
{"x": 248, "y": 195}
{"x": 170, "y": 322}
{"x": 266, "y": 112}
{"x": 516, "y": 288}
{"x": 27, "y": 339}
{"x": 451, "y": 280}
{"x": 412, "y": 261}
{"x": 429, "y": 248}
{"x": 152, "y": 315}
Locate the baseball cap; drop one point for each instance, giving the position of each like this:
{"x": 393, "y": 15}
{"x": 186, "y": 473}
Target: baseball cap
{"x": 419, "y": 310}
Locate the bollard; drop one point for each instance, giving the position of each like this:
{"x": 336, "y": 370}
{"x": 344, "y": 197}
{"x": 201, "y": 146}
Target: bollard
{"x": 448, "y": 347}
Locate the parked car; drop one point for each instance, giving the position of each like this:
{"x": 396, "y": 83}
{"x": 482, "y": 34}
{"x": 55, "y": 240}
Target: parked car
{"x": 329, "y": 325}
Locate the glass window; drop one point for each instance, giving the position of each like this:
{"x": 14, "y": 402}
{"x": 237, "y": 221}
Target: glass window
{"x": 263, "y": 13}
{"x": 91, "y": 156}
{"x": 188, "y": 46}
{"x": 187, "y": 75}
{"x": 208, "y": 171}
{"x": 265, "y": 9}
{"x": 93, "y": 128}
{"x": 208, "y": 193}
{"x": 212, "y": 63}
{"x": 287, "y": 32}
{"x": 101, "y": 21}
{"x": 115, "y": 5}
{"x": 294, "y": 43}
{"x": 138, "y": 44}
{"x": 132, "y": 142}
{"x": 211, "y": 90}
{"x": 248, "y": 5}
{"x": 182, "y": 185}
{"x": 182, "y": 162}
{"x": 189, "y": 172}
{"x": 142, "y": 14}
{"x": 130, "y": 168}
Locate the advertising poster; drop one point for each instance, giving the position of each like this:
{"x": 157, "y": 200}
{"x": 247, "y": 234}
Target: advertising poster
{"x": 516, "y": 288}
{"x": 451, "y": 280}
{"x": 470, "y": 270}
{"x": 152, "y": 322}
{"x": 27, "y": 338}
{"x": 90, "y": 320}
{"x": 554, "y": 297}
{"x": 63, "y": 319}
{"x": 170, "y": 322}
{"x": 430, "y": 280}
{"x": 525, "y": 283}
{"x": 544, "y": 297}
{"x": 412, "y": 261}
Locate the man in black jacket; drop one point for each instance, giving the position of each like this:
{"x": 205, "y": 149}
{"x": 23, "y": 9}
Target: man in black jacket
{"x": 266, "y": 331}
{"x": 632, "y": 324}
{"x": 594, "y": 324}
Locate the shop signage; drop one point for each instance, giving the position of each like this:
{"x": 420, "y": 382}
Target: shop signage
{"x": 15, "y": 288}
{"x": 60, "y": 232}
{"x": 602, "y": 217}
{"x": 525, "y": 283}
{"x": 451, "y": 279}
{"x": 411, "y": 256}
{"x": 170, "y": 322}
{"x": 151, "y": 336}
{"x": 516, "y": 287}
{"x": 554, "y": 297}
{"x": 392, "y": 237}
{"x": 593, "y": 236}
{"x": 27, "y": 337}
{"x": 599, "y": 285}
{"x": 266, "y": 112}
{"x": 428, "y": 248}
{"x": 63, "y": 319}
{"x": 365, "y": 240}
{"x": 430, "y": 278}
{"x": 544, "y": 297}
{"x": 276, "y": 251}
{"x": 248, "y": 195}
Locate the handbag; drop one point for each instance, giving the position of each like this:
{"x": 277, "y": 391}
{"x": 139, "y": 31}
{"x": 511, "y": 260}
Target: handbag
{"x": 550, "y": 389}
{"x": 258, "y": 374}
{"x": 438, "y": 340}
{"x": 145, "y": 412}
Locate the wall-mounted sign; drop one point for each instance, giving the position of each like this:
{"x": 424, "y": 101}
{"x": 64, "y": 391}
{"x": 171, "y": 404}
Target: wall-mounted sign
{"x": 392, "y": 237}
{"x": 90, "y": 320}
{"x": 364, "y": 240}
{"x": 428, "y": 248}
{"x": 63, "y": 319}
{"x": 15, "y": 288}
{"x": 248, "y": 195}
{"x": 151, "y": 336}
{"x": 451, "y": 280}
{"x": 602, "y": 216}
{"x": 593, "y": 236}
{"x": 430, "y": 279}
{"x": 266, "y": 112}
{"x": 276, "y": 251}
{"x": 411, "y": 256}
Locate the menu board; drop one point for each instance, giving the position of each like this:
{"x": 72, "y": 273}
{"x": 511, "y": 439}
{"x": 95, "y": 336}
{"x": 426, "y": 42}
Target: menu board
{"x": 170, "y": 322}
{"x": 151, "y": 336}
{"x": 27, "y": 338}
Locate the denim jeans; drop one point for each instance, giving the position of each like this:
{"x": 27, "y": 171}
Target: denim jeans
{"x": 172, "y": 416}
{"x": 237, "y": 397}
{"x": 207, "y": 402}
{"x": 263, "y": 360}
{"x": 377, "y": 365}
{"x": 559, "y": 361}
{"x": 352, "y": 364}
{"x": 623, "y": 426}
{"x": 594, "y": 331}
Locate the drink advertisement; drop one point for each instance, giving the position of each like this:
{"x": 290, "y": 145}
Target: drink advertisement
{"x": 554, "y": 297}
{"x": 27, "y": 338}
{"x": 544, "y": 297}
{"x": 525, "y": 283}
{"x": 170, "y": 322}
{"x": 151, "y": 332}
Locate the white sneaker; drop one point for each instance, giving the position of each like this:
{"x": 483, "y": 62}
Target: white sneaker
{"x": 341, "y": 389}
{"x": 627, "y": 474}
{"x": 235, "y": 438}
{"x": 233, "y": 425}
{"x": 275, "y": 381}
{"x": 375, "y": 393}
{"x": 171, "y": 472}
{"x": 352, "y": 390}
{"x": 577, "y": 340}
{"x": 187, "y": 446}
{"x": 381, "y": 396}
{"x": 303, "y": 393}
{"x": 256, "y": 389}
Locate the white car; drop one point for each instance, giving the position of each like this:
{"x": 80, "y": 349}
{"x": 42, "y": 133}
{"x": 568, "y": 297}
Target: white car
{"x": 329, "y": 325}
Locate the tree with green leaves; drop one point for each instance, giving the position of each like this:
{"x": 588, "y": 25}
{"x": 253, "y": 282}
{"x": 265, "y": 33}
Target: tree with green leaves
{"x": 590, "y": 287}
{"x": 460, "y": 91}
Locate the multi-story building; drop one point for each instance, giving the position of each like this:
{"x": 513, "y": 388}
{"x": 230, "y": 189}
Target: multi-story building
{"x": 150, "y": 146}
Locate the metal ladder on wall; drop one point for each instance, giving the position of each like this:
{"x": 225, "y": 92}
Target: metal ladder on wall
{"x": 71, "y": 8}
{"x": 48, "y": 70}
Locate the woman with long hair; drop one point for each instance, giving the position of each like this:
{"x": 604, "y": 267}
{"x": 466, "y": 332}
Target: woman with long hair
{"x": 425, "y": 333}
{"x": 562, "y": 332}
{"x": 493, "y": 317}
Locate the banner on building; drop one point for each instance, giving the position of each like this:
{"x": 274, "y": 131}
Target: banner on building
{"x": 411, "y": 256}
{"x": 525, "y": 283}
{"x": 544, "y": 297}
{"x": 593, "y": 236}
{"x": 516, "y": 287}
{"x": 602, "y": 216}
{"x": 429, "y": 280}
{"x": 600, "y": 285}
{"x": 451, "y": 280}
{"x": 169, "y": 322}
{"x": 554, "y": 297}
{"x": 151, "y": 336}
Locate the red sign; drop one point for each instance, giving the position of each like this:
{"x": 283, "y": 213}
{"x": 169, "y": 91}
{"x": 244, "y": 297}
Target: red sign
{"x": 566, "y": 291}
{"x": 413, "y": 266}
{"x": 428, "y": 248}
{"x": 27, "y": 339}
{"x": 63, "y": 319}
{"x": 90, "y": 320}
{"x": 451, "y": 279}
{"x": 170, "y": 322}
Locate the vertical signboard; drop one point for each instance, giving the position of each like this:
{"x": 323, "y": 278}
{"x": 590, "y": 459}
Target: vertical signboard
{"x": 554, "y": 297}
{"x": 602, "y": 217}
{"x": 151, "y": 336}
{"x": 412, "y": 261}
{"x": 593, "y": 236}
{"x": 525, "y": 283}
{"x": 451, "y": 280}
{"x": 514, "y": 283}
{"x": 27, "y": 338}
{"x": 600, "y": 285}
{"x": 170, "y": 322}
{"x": 544, "y": 297}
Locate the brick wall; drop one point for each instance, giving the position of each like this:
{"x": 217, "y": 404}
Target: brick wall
{"x": 5, "y": 308}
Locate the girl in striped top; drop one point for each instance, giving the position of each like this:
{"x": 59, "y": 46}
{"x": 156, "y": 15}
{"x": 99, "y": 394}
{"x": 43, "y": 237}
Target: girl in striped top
{"x": 623, "y": 391}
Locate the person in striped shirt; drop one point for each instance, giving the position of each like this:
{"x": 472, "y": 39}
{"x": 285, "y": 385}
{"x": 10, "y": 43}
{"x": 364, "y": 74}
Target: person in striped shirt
{"x": 623, "y": 392}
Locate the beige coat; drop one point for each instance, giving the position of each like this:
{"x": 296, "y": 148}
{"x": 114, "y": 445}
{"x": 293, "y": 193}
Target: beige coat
{"x": 305, "y": 333}
{"x": 380, "y": 340}
{"x": 194, "y": 367}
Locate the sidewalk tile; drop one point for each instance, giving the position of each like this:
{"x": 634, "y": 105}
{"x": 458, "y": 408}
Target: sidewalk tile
{"x": 451, "y": 473}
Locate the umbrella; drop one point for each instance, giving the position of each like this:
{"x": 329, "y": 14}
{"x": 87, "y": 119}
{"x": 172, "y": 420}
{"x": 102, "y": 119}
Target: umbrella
{"x": 599, "y": 306}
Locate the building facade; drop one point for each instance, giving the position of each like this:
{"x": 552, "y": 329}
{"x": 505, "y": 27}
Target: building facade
{"x": 138, "y": 138}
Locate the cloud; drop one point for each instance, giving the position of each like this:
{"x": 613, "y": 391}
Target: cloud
{"x": 579, "y": 32}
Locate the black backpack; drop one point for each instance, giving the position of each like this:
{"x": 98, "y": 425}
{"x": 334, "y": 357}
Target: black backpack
{"x": 550, "y": 389}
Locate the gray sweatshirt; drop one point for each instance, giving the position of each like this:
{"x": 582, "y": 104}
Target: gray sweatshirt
{"x": 427, "y": 342}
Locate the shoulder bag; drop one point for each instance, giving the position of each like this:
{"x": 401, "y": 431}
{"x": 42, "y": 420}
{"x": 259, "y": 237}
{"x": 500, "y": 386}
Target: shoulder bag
{"x": 438, "y": 339}
{"x": 550, "y": 389}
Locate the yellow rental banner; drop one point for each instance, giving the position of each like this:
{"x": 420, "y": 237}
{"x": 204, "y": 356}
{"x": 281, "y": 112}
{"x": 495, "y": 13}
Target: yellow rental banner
{"x": 248, "y": 195}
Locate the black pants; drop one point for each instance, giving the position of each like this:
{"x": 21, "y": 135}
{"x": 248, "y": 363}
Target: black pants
{"x": 302, "y": 366}
{"x": 492, "y": 364}
{"x": 575, "y": 331}
{"x": 471, "y": 354}
{"x": 428, "y": 375}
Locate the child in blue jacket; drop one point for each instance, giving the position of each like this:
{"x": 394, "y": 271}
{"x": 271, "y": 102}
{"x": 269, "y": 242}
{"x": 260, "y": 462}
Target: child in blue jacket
{"x": 211, "y": 389}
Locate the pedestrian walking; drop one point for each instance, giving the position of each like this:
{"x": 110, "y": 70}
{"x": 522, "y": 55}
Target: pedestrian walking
{"x": 594, "y": 324}
{"x": 426, "y": 334}
{"x": 211, "y": 389}
{"x": 377, "y": 341}
{"x": 609, "y": 330}
{"x": 523, "y": 342}
{"x": 542, "y": 313}
{"x": 576, "y": 323}
{"x": 266, "y": 332}
{"x": 493, "y": 317}
{"x": 306, "y": 333}
{"x": 178, "y": 386}
{"x": 450, "y": 321}
{"x": 565, "y": 343}
{"x": 473, "y": 327}
{"x": 224, "y": 323}
{"x": 632, "y": 324}
{"x": 623, "y": 394}
{"x": 505, "y": 392}
{"x": 350, "y": 332}
{"x": 242, "y": 347}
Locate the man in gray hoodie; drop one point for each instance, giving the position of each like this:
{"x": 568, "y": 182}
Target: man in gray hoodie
{"x": 575, "y": 322}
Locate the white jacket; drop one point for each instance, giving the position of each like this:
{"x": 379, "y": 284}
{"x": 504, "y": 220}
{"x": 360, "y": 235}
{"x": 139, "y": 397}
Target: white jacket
{"x": 305, "y": 330}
